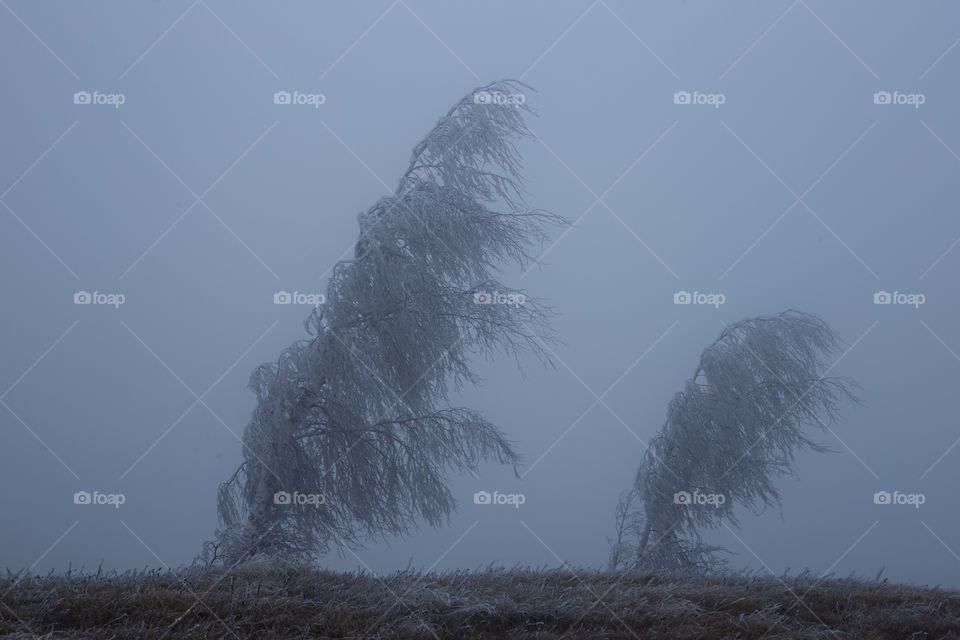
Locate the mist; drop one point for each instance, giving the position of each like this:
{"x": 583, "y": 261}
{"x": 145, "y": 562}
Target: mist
{"x": 773, "y": 156}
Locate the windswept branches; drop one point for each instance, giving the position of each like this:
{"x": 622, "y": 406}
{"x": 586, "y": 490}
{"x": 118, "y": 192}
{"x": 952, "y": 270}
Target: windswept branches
{"x": 733, "y": 429}
{"x": 356, "y": 416}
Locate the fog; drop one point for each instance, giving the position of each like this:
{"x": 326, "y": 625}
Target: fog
{"x": 785, "y": 181}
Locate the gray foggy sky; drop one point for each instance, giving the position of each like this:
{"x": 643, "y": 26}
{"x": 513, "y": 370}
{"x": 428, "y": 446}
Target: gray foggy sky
{"x": 198, "y": 198}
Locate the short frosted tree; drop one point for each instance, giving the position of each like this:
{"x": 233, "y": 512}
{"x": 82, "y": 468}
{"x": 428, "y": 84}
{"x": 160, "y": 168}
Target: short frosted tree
{"x": 354, "y": 424}
{"x": 733, "y": 429}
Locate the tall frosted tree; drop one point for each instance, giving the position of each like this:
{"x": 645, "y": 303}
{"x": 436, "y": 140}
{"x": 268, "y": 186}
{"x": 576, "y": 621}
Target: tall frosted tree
{"x": 735, "y": 427}
{"x": 356, "y": 417}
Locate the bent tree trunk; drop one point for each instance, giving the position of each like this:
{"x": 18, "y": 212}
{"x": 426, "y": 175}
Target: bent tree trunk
{"x": 264, "y": 483}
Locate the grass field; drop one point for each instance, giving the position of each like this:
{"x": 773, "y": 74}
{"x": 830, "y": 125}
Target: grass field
{"x": 496, "y": 603}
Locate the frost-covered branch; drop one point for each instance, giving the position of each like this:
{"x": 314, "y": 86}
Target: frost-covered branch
{"x": 358, "y": 414}
{"x": 732, "y": 431}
